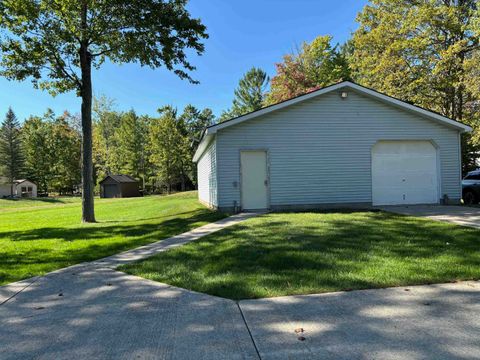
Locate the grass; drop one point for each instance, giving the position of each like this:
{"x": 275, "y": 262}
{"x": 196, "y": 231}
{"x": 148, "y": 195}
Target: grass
{"x": 37, "y": 239}
{"x": 302, "y": 253}
{"x": 15, "y": 204}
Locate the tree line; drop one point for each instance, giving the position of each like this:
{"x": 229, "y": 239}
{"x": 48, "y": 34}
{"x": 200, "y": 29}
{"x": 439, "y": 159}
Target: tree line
{"x": 157, "y": 151}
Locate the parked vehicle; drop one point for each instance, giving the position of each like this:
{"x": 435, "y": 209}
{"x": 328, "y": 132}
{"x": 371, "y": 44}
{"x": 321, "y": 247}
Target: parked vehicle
{"x": 471, "y": 188}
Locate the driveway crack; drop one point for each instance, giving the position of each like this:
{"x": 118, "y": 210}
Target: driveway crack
{"x": 248, "y": 329}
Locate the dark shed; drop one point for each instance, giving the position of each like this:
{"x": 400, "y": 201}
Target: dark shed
{"x": 118, "y": 186}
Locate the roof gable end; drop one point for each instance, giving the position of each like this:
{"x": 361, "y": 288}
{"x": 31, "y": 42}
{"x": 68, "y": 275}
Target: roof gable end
{"x": 212, "y": 130}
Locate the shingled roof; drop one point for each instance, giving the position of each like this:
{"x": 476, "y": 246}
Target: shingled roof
{"x": 120, "y": 178}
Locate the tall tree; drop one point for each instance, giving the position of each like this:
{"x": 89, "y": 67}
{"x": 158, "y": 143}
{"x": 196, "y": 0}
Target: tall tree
{"x": 64, "y": 143}
{"x": 131, "y": 139}
{"x": 168, "y": 148}
{"x": 11, "y": 152}
{"x": 38, "y": 156}
{"x": 425, "y": 52}
{"x": 314, "y": 65}
{"x": 52, "y": 147}
{"x": 57, "y": 42}
{"x": 249, "y": 95}
{"x": 106, "y": 122}
{"x": 191, "y": 123}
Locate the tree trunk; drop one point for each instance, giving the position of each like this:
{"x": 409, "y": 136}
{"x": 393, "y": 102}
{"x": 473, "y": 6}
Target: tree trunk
{"x": 88, "y": 214}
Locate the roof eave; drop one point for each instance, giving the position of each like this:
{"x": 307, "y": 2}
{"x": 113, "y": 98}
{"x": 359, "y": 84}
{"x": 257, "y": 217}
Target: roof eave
{"x": 345, "y": 84}
{"x": 207, "y": 137}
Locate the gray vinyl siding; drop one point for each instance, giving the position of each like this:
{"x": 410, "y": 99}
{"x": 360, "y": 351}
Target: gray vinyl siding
{"x": 207, "y": 176}
{"x": 319, "y": 150}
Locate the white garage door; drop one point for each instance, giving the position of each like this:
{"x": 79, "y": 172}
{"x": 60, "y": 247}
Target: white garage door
{"x": 404, "y": 172}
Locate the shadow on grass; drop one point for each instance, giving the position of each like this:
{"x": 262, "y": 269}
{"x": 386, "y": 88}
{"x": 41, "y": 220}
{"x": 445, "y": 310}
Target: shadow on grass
{"x": 89, "y": 242}
{"x": 278, "y": 255}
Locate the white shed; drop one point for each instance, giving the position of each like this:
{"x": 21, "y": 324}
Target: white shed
{"x": 342, "y": 145}
{"x": 21, "y": 188}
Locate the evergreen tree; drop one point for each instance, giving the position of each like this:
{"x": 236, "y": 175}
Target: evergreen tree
{"x": 192, "y": 123}
{"x": 11, "y": 152}
{"x": 249, "y": 95}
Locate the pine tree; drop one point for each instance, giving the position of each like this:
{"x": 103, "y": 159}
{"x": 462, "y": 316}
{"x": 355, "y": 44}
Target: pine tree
{"x": 249, "y": 95}
{"x": 11, "y": 152}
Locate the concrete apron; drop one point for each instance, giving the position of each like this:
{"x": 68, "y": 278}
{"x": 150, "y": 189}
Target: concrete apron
{"x": 459, "y": 215}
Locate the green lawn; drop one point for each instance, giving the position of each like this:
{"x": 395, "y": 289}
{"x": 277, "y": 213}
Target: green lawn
{"x": 38, "y": 239}
{"x": 15, "y": 204}
{"x": 286, "y": 254}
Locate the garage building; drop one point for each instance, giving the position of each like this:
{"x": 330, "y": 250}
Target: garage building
{"x": 119, "y": 186}
{"x": 341, "y": 145}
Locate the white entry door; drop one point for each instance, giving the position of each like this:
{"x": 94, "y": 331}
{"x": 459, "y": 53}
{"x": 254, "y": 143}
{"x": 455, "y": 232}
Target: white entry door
{"x": 404, "y": 172}
{"x": 254, "y": 180}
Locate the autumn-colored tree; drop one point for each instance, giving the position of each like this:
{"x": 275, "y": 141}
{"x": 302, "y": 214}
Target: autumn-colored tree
{"x": 424, "y": 52}
{"x": 314, "y": 65}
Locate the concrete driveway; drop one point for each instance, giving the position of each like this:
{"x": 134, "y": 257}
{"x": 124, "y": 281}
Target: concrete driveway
{"x": 460, "y": 215}
{"x": 99, "y": 313}
{"x": 92, "y": 311}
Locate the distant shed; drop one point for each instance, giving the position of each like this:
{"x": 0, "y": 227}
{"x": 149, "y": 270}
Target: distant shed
{"x": 119, "y": 186}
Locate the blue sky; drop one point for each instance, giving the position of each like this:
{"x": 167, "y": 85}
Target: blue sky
{"x": 242, "y": 34}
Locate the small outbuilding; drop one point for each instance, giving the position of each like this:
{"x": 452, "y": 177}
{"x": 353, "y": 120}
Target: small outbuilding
{"x": 119, "y": 186}
{"x": 342, "y": 145}
{"x": 21, "y": 188}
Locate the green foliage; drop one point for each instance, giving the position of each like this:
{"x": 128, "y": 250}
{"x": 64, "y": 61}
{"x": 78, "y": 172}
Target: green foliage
{"x": 11, "y": 151}
{"x": 249, "y": 95}
{"x": 169, "y": 149}
{"x": 426, "y": 53}
{"x": 42, "y": 38}
{"x": 192, "y": 122}
{"x": 106, "y": 122}
{"x": 38, "y": 157}
{"x": 52, "y": 148}
{"x": 315, "y": 65}
{"x": 64, "y": 144}
{"x": 156, "y": 151}
{"x": 131, "y": 140}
